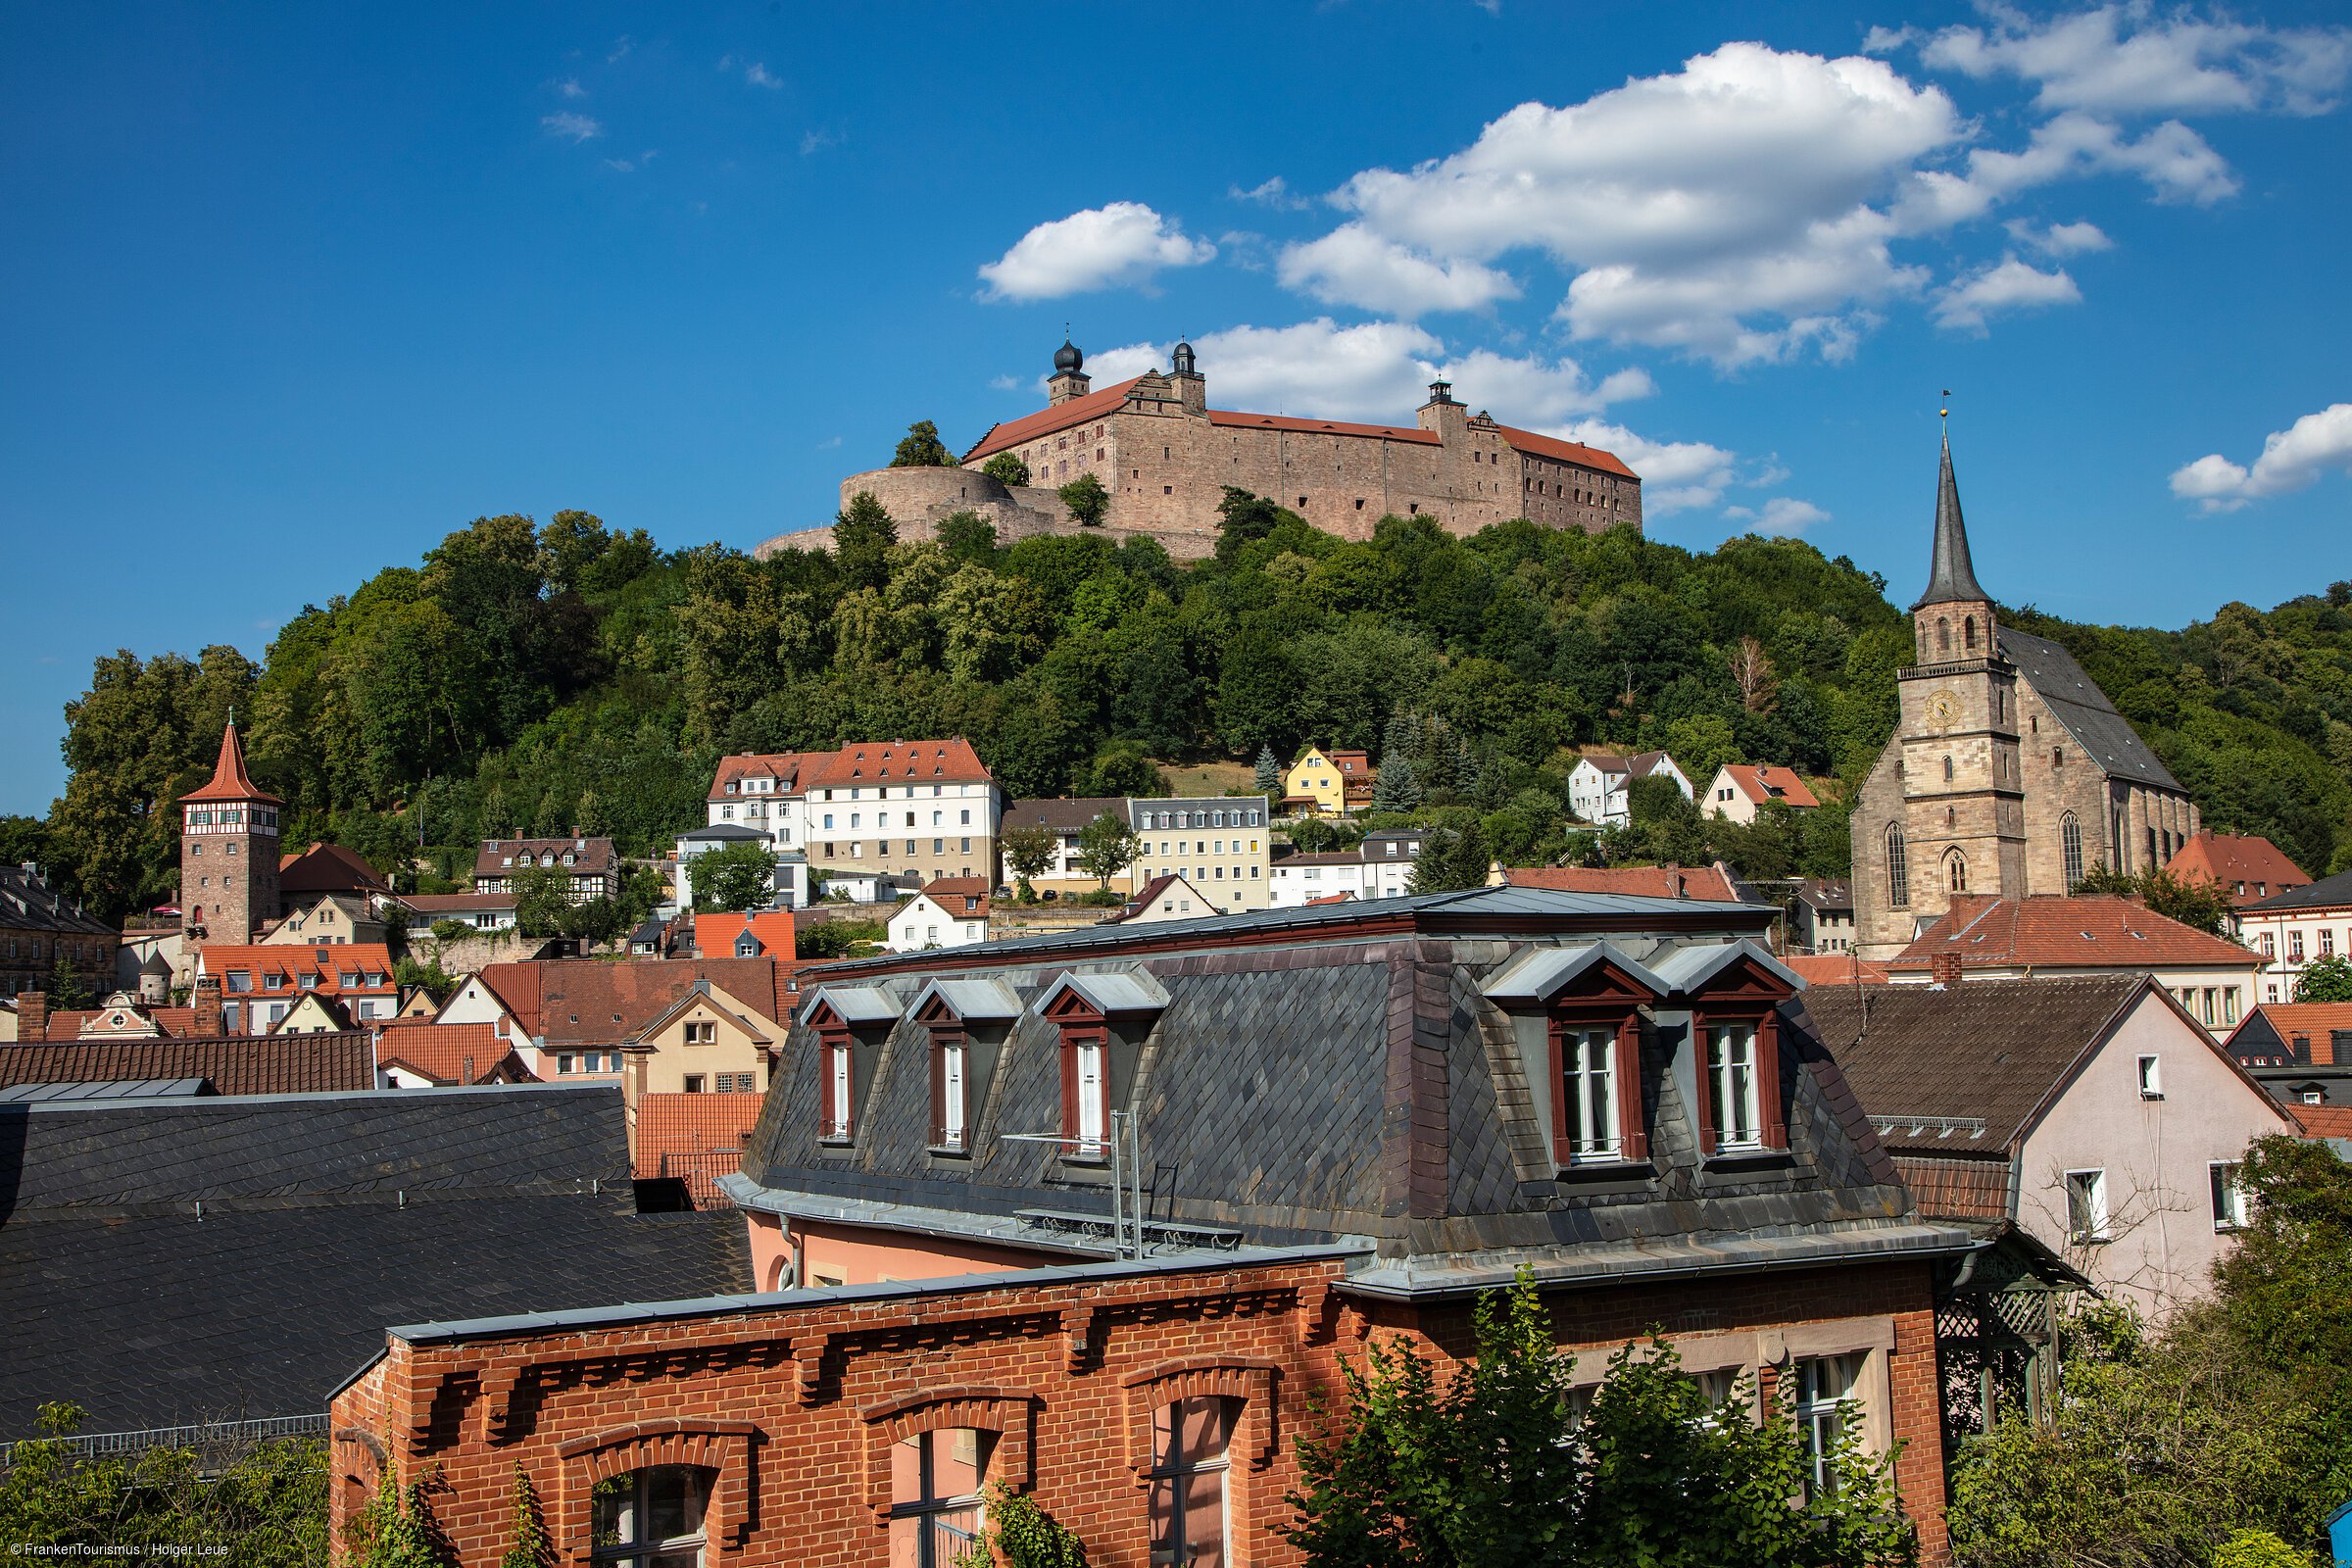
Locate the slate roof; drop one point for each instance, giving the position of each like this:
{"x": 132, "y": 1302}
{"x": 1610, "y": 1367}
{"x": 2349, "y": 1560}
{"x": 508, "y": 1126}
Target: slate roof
{"x": 1066, "y": 813}
{"x": 1989, "y": 1049}
{"x": 235, "y": 1064}
{"x": 28, "y": 903}
{"x": 1827, "y": 892}
{"x": 590, "y": 855}
{"x": 2273, "y": 1029}
{"x": 324, "y": 1219}
{"x": 1343, "y": 1077}
{"x": 2333, "y": 893}
{"x": 2084, "y": 930}
{"x": 2077, "y": 704}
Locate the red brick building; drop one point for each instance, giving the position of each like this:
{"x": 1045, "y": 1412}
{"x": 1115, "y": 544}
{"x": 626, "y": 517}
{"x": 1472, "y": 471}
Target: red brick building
{"x": 1098, "y": 1214}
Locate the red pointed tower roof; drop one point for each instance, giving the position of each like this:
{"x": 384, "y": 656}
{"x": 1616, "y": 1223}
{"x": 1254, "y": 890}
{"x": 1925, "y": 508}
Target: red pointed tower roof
{"x": 230, "y": 781}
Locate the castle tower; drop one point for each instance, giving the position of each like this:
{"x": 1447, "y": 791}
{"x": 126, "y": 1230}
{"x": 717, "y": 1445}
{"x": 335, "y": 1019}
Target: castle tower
{"x": 1963, "y": 822}
{"x": 227, "y": 852}
{"x": 1070, "y": 379}
{"x": 1192, "y": 387}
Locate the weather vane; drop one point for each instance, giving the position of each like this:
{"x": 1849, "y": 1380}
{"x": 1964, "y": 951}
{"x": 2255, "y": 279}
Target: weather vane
{"x": 1945, "y": 413}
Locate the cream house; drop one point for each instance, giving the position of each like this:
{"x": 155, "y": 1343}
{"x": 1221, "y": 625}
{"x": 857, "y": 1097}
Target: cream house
{"x": 707, "y": 1041}
{"x": 2298, "y": 928}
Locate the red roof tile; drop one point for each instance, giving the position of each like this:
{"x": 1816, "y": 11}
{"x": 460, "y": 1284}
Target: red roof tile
{"x": 693, "y": 1138}
{"x": 371, "y": 963}
{"x": 2315, "y": 1022}
{"x": 2249, "y": 862}
{"x": 1706, "y": 882}
{"x": 1278, "y": 422}
{"x": 169, "y": 1022}
{"x": 229, "y": 780}
{"x": 716, "y": 934}
{"x": 780, "y": 766}
{"x": 237, "y": 1065}
{"x": 441, "y": 1051}
{"x": 2323, "y": 1121}
{"x": 1576, "y": 452}
{"x": 869, "y": 762}
{"x": 955, "y": 895}
{"x": 1761, "y": 782}
{"x": 1048, "y": 420}
{"x": 1834, "y": 968}
{"x": 595, "y": 1002}
{"x": 2100, "y": 930}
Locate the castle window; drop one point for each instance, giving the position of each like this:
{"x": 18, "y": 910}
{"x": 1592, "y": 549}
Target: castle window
{"x": 1360, "y": 503}
{"x": 1956, "y": 872}
{"x": 1947, "y": 768}
{"x": 1951, "y": 816}
{"x": 1898, "y": 869}
{"x": 2070, "y": 839}
{"x": 2057, "y": 756}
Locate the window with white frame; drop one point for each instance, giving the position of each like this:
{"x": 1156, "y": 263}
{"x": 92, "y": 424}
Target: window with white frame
{"x": 1732, "y": 1085}
{"x": 2087, "y": 1205}
{"x": 947, "y": 1117}
{"x": 1589, "y": 1073}
{"x": 2229, "y": 1195}
{"x": 835, "y": 1121}
{"x": 1824, "y": 1397}
{"x": 2151, "y": 1077}
{"x": 1086, "y": 1090}
{"x": 651, "y": 1518}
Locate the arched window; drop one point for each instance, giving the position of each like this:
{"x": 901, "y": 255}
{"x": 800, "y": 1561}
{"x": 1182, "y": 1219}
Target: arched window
{"x": 1947, "y": 767}
{"x": 1956, "y": 872}
{"x": 1951, "y": 816}
{"x": 1943, "y": 636}
{"x": 1898, "y": 869}
{"x": 1968, "y": 632}
{"x": 1190, "y": 1441}
{"x": 2070, "y": 841}
{"x": 653, "y": 1515}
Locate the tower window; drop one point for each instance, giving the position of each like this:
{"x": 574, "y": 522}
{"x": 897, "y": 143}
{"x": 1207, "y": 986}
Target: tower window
{"x": 1943, "y": 636}
{"x": 1955, "y": 870}
{"x": 2070, "y": 839}
{"x": 1898, "y": 869}
{"x": 1968, "y": 631}
{"x": 1947, "y": 768}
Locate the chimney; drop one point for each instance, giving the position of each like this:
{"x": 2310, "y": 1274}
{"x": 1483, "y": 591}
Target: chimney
{"x": 1944, "y": 969}
{"x": 32, "y": 1015}
{"x": 208, "y": 1006}
{"x": 467, "y": 1073}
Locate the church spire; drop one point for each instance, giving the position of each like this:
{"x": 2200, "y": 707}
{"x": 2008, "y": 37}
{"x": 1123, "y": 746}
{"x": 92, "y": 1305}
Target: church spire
{"x": 1951, "y": 577}
{"x": 229, "y": 780}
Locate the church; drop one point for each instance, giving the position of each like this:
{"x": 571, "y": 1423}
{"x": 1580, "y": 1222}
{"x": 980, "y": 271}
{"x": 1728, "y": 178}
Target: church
{"x": 2010, "y": 772}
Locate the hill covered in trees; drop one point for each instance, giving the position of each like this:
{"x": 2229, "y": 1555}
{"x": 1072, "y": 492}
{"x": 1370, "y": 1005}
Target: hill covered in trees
{"x": 544, "y": 677}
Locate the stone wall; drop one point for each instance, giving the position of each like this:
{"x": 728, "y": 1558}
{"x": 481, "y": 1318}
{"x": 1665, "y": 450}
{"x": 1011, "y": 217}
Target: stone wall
{"x": 919, "y": 500}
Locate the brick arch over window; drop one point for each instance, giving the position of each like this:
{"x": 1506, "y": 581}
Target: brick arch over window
{"x": 1203, "y": 1377}
{"x": 723, "y": 1446}
{"x": 1006, "y": 1413}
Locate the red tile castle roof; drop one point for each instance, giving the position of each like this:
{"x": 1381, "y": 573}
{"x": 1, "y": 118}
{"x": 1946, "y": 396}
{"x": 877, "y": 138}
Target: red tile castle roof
{"x": 2086, "y": 931}
{"x": 229, "y": 780}
{"x": 1048, "y": 420}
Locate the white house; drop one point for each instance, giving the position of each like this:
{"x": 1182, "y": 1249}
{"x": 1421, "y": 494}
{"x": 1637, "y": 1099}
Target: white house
{"x": 2300, "y": 926}
{"x": 1166, "y": 898}
{"x": 1380, "y": 868}
{"x": 951, "y": 913}
{"x": 1597, "y": 786}
{"x": 1739, "y": 790}
{"x": 923, "y": 810}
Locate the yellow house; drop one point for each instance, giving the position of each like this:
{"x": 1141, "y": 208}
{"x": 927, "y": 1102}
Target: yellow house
{"x": 1331, "y": 782}
{"x": 707, "y": 1043}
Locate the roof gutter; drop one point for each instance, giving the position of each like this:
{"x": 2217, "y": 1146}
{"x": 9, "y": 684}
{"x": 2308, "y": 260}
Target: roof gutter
{"x": 1960, "y": 1244}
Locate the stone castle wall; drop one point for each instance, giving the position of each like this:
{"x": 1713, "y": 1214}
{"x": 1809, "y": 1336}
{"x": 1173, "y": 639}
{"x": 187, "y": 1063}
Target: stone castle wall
{"x": 919, "y": 500}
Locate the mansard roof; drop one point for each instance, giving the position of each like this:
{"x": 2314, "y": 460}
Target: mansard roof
{"x": 2075, "y": 700}
{"x": 1330, "y": 1085}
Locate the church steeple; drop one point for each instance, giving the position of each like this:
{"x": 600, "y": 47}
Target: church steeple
{"x": 1952, "y": 575}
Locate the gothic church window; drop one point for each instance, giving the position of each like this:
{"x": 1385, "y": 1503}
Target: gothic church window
{"x": 1898, "y": 869}
{"x": 2070, "y": 839}
{"x": 1956, "y": 872}
{"x": 1947, "y": 770}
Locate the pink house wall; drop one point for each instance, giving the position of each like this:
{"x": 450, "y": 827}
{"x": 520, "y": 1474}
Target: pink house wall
{"x": 2156, "y": 1154}
{"x": 856, "y": 1254}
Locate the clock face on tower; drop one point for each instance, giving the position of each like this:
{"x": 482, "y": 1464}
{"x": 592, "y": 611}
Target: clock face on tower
{"x": 1941, "y": 709}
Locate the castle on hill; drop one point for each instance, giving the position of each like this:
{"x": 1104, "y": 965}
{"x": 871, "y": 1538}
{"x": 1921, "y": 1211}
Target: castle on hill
{"x": 1167, "y": 457}
{"x": 2010, "y": 772}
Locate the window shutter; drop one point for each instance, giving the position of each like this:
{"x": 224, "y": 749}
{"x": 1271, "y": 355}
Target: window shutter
{"x": 1708, "y": 1139}
{"x": 1630, "y": 1118}
{"x": 1768, "y": 1081}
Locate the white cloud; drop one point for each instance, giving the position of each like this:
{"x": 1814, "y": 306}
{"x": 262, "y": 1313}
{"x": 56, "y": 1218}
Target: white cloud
{"x": 817, "y": 141}
{"x": 2008, "y": 284}
{"x": 2059, "y": 239}
{"x": 571, "y": 89}
{"x": 579, "y": 127}
{"x": 1274, "y": 193}
{"x": 1101, "y": 247}
{"x": 828, "y": 443}
{"x": 1006, "y": 383}
{"x": 1781, "y": 515}
{"x": 621, "y": 48}
{"x": 2292, "y": 459}
{"x": 757, "y": 73}
{"x": 1351, "y": 265}
{"x": 1375, "y": 371}
{"x": 2176, "y": 163}
{"x": 2131, "y": 59}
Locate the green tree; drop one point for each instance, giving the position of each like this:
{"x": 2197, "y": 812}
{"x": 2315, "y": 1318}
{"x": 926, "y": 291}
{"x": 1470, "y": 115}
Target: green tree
{"x": 2192, "y": 900}
{"x": 1489, "y": 1468}
{"x": 837, "y": 939}
{"x": 1108, "y": 846}
{"x": 542, "y": 900}
{"x": 66, "y": 990}
{"x": 735, "y": 877}
{"x": 1088, "y": 499}
{"x": 1453, "y": 859}
{"x": 1007, "y": 468}
{"x": 2324, "y": 980}
{"x": 863, "y": 534}
{"x": 595, "y": 921}
{"x": 969, "y": 538}
{"x": 1393, "y": 787}
{"x": 921, "y": 448}
{"x": 1030, "y": 852}
{"x": 1122, "y": 768}
{"x": 1267, "y": 778}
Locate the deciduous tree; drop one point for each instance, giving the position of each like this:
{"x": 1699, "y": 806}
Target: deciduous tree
{"x": 921, "y": 448}
{"x": 1108, "y": 846}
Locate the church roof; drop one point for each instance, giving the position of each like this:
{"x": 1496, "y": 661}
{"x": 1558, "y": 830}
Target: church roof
{"x": 229, "y": 780}
{"x": 1951, "y": 576}
{"x": 2077, "y": 703}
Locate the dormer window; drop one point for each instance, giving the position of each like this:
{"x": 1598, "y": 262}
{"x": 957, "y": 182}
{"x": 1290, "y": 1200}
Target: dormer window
{"x": 1591, "y": 1124}
{"x": 950, "y": 1102}
{"x": 1732, "y": 1087}
{"x": 746, "y": 946}
{"x": 836, "y": 1120}
{"x": 1086, "y": 1090}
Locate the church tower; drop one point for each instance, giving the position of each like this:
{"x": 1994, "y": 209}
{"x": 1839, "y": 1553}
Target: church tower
{"x": 1962, "y": 829}
{"x": 227, "y": 852}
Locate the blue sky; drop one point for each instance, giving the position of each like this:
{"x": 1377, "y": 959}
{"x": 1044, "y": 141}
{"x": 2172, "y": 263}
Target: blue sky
{"x": 289, "y": 292}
